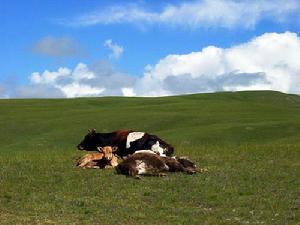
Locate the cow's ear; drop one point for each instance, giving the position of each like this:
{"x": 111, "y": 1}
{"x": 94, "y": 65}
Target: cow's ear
{"x": 100, "y": 149}
{"x": 89, "y": 130}
{"x": 94, "y": 131}
{"x": 114, "y": 149}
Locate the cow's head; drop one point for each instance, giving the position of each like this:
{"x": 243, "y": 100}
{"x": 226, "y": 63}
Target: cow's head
{"x": 162, "y": 148}
{"x": 107, "y": 151}
{"x": 89, "y": 142}
{"x": 185, "y": 162}
{"x": 157, "y": 149}
{"x": 169, "y": 150}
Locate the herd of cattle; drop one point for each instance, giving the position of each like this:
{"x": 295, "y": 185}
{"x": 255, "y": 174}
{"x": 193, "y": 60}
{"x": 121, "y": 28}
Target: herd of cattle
{"x": 142, "y": 154}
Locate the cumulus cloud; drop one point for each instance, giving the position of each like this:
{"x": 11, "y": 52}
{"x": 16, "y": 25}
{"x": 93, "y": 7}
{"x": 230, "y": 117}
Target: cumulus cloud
{"x": 194, "y": 14}
{"x": 67, "y": 81}
{"x": 99, "y": 80}
{"x": 116, "y": 49}
{"x": 128, "y": 92}
{"x": 268, "y": 62}
{"x": 57, "y": 47}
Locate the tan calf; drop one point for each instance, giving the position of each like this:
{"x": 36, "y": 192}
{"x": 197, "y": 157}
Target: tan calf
{"x": 102, "y": 159}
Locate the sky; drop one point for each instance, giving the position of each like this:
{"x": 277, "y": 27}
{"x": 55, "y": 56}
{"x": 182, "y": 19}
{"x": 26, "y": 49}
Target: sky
{"x": 77, "y": 48}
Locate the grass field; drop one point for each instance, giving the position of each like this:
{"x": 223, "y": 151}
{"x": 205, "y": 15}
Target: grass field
{"x": 249, "y": 141}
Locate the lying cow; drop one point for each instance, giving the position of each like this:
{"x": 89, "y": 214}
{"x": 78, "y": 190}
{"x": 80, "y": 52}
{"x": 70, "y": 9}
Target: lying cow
{"x": 127, "y": 141}
{"x": 145, "y": 162}
{"x": 102, "y": 159}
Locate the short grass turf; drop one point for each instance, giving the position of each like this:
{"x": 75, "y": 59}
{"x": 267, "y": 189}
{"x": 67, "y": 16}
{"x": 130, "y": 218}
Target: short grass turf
{"x": 249, "y": 141}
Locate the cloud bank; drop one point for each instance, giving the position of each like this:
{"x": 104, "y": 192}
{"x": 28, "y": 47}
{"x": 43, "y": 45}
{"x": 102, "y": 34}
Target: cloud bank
{"x": 193, "y": 14}
{"x": 268, "y": 62}
{"x": 101, "y": 79}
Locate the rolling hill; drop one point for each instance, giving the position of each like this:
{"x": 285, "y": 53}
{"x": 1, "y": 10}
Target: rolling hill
{"x": 249, "y": 141}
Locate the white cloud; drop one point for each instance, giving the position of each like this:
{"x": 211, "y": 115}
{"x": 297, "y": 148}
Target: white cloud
{"x": 81, "y": 71}
{"x": 268, "y": 62}
{"x": 116, "y": 49}
{"x": 194, "y": 14}
{"x": 79, "y": 90}
{"x": 101, "y": 79}
{"x": 68, "y": 81}
{"x": 128, "y": 92}
{"x": 57, "y": 47}
{"x": 49, "y": 77}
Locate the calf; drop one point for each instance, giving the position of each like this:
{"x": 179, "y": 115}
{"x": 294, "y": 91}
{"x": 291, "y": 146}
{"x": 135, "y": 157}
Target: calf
{"x": 146, "y": 163}
{"x": 102, "y": 159}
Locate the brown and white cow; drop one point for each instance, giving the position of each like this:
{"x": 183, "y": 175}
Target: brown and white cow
{"x": 145, "y": 162}
{"x": 103, "y": 159}
{"x": 127, "y": 141}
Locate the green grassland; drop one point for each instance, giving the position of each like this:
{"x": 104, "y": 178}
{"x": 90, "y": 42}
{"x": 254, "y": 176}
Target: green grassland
{"x": 249, "y": 141}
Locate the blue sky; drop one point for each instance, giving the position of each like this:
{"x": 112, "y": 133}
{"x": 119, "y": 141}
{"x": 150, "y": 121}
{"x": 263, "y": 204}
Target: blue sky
{"x": 146, "y": 48}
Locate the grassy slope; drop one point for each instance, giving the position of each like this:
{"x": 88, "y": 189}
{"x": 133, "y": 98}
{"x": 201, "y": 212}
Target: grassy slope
{"x": 250, "y": 142}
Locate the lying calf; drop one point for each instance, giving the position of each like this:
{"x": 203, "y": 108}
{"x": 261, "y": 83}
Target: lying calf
{"x": 102, "y": 159}
{"x": 146, "y": 163}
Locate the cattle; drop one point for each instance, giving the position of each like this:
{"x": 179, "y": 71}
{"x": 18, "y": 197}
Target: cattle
{"x": 102, "y": 159}
{"x": 147, "y": 163}
{"x": 127, "y": 141}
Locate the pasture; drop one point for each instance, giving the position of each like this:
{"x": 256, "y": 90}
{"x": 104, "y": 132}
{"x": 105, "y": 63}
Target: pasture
{"x": 249, "y": 141}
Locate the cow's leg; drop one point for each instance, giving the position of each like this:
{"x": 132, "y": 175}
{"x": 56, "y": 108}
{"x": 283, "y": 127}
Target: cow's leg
{"x": 108, "y": 166}
{"x": 162, "y": 174}
{"x": 95, "y": 167}
{"x": 133, "y": 172}
{"x": 155, "y": 174}
{"x": 189, "y": 170}
{"x": 83, "y": 163}
{"x": 92, "y": 165}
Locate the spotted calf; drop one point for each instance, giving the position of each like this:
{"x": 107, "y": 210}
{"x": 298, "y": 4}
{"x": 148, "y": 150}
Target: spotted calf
{"x": 149, "y": 163}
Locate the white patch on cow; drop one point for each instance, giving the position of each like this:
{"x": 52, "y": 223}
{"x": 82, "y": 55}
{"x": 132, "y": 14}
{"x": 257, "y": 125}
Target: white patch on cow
{"x": 157, "y": 149}
{"x": 141, "y": 167}
{"x": 133, "y": 136}
{"x": 145, "y": 151}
